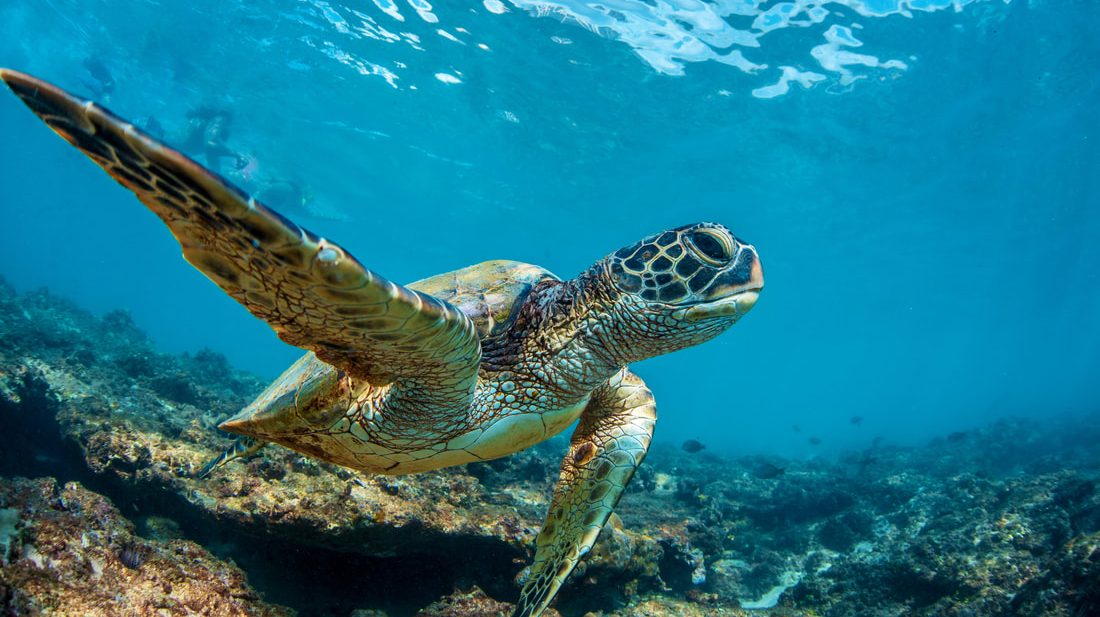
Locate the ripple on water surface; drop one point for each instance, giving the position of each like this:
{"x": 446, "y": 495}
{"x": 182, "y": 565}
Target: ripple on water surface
{"x": 666, "y": 35}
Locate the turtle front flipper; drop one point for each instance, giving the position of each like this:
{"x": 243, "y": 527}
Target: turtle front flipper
{"x": 610, "y": 442}
{"x": 313, "y": 293}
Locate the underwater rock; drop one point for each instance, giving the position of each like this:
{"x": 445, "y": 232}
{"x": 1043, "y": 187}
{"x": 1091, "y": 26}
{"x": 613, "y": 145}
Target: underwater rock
{"x": 622, "y": 564}
{"x": 68, "y": 551}
{"x": 475, "y": 603}
{"x": 140, "y": 424}
{"x": 664, "y": 606}
{"x": 967, "y": 547}
{"x": 472, "y": 603}
{"x": 1001, "y": 520}
{"x": 1070, "y": 585}
{"x": 148, "y": 420}
{"x": 682, "y": 565}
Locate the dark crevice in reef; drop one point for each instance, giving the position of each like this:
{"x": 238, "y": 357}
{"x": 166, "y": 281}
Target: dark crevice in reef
{"x": 314, "y": 581}
{"x": 32, "y": 444}
{"x": 319, "y": 581}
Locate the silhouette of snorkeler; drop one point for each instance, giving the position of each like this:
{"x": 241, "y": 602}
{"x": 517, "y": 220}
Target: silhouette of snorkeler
{"x": 206, "y": 136}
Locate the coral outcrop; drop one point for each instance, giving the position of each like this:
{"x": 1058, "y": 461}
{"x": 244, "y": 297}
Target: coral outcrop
{"x": 68, "y": 551}
{"x": 998, "y": 521}
{"x": 472, "y": 603}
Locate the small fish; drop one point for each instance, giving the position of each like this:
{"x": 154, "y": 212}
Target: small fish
{"x": 815, "y": 441}
{"x": 692, "y": 446}
{"x": 957, "y": 436}
{"x": 856, "y": 420}
{"x": 767, "y": 471}
{"x": 796, "y": 428}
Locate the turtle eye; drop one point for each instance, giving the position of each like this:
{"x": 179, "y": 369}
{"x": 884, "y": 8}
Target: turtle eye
{"x": 712, "y": 245}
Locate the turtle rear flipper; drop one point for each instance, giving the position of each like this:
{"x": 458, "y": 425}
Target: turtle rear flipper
{"x": 608, "y": 445}
{"x": 242, "y": 447}
{"x": 312, "y": 292}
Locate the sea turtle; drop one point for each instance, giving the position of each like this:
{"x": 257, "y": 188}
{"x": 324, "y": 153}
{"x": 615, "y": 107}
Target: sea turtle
{"x": 465, "y": 366}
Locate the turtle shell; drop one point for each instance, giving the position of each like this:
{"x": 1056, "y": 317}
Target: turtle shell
{"x": 490, "y": 293}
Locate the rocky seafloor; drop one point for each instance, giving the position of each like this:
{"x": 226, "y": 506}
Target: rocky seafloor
{"x": 100, "y": 513}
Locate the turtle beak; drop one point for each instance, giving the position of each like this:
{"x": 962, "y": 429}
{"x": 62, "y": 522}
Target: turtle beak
{"x": 736, "y": 297}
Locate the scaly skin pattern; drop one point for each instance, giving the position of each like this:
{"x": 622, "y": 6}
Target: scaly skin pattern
{"x": 610, "y": 442}
{"x": 465, "y": 366}
{"x": 308, "y": 289}
{"x": 535, "y": 379}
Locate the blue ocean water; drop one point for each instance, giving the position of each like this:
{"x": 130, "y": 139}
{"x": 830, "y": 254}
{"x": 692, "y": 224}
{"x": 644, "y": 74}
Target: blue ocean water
{"x": 919, "y": 178}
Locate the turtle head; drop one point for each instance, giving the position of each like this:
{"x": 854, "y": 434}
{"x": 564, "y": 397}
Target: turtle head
{"x": 683, "y": 286}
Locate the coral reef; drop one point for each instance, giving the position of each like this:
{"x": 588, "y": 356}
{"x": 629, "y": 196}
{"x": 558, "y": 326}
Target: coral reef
{"x": 68, "y": 551}
{"x": 997, "y": 521}
{"x": 472, "y": 603}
